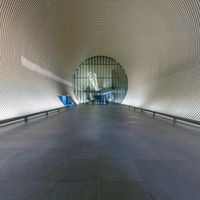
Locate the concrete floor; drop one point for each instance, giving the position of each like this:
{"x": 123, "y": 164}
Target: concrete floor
{"x": 99, "y": 153}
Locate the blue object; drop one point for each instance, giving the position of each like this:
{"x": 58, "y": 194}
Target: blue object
{"x": 67, "y": 101}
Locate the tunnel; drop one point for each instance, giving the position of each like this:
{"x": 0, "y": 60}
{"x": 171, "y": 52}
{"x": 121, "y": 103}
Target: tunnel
{"x": 99, "y": 99}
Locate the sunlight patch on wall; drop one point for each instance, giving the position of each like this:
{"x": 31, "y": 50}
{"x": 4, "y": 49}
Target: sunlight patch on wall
{"x": 36, "y": 68}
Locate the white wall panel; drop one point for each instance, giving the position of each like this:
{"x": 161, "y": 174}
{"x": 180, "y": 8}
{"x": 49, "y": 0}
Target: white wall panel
{"x": 23, "y": 91}
{"x": 157, "y": 42}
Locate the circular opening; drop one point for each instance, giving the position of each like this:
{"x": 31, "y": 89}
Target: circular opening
{"x": 100, "y": 80}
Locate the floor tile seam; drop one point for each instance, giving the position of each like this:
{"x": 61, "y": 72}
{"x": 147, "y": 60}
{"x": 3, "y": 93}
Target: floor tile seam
{"x": 144, "y": 181}
{"x": 81, "y": 159}
{"x": 69, "y": 180}
{"x": 165, "y": 160}
{"x": 50, "y": 181}
{"x": 76, "y": 148}
{"x": 115, "y": 182}
{"x": 100, "y": 191}
{"x": 151, "y": 181}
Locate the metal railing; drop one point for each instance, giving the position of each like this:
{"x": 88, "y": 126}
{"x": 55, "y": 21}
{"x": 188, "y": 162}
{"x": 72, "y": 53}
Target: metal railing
{"x": 155, "y": 113}
{"x": 25, "y": 118}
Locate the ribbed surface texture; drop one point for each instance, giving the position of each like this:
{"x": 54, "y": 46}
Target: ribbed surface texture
{"x": 156, "y": 41}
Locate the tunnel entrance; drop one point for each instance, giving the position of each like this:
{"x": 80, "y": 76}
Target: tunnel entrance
{"x": 100, "y": 80}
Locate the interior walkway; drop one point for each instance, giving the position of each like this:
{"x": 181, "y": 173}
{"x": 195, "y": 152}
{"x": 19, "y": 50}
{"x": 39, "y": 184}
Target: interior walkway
{"x": 99, "y": 153}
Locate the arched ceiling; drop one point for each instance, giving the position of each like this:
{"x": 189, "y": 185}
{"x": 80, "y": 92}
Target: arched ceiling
{"x": 156, "y": 41}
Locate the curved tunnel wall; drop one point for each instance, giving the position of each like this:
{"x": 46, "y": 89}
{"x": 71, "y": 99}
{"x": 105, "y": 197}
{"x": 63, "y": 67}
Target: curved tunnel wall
{"x": 29, "y": 83}
{"x": 156, "y": 41}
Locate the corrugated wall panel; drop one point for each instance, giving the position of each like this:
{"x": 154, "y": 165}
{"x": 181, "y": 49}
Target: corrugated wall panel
{"x": 157, "y": 42}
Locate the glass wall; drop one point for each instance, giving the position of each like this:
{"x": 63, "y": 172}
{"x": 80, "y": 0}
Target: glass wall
{"x": 100, "y": 80}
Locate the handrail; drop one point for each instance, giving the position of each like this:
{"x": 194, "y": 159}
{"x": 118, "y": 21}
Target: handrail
{"x": 174, "y": 117}
{"x": 25, "y": 117}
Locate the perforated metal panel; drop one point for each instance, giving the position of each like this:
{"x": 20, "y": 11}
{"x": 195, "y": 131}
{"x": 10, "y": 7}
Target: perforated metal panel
{"x": 156, "y": 41}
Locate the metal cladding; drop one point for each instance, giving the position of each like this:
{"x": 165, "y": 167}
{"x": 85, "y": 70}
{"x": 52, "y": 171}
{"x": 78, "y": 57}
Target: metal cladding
{"x": 157, "y": 42}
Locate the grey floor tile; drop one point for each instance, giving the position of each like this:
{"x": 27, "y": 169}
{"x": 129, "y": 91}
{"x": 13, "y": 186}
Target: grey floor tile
{"x": 29, "y": 154}
{"x": 188, "y": 170}
{"x": 38, "y": 174}
{"x": 7, "y": 174}
{"x": 26, "y": 190}
{"x": 77, "y": 191}
{"x": 174, "y": 191}
{"x": 58, "y": 154}
{"x": 86, "y": 154}
{"x": 82, "y": 170}
{"x": 125, "y": 191}
{"x": 113, "y": 154}
{"x": 145, "y": 153}
{"x": 152, "y": 153}
{"x": 156, "y": 171}
{"x": 13, "y": 166}
{"x": 42, "y": 170}
{"x": 119, "y": 171}
{"x": 8, "y": 152}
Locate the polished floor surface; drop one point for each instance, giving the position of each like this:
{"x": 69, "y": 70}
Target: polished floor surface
{"x": 99, "y": 153}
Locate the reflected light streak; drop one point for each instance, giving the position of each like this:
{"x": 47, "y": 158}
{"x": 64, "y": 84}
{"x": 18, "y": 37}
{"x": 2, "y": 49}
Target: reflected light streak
{"x": 36, "y": 68}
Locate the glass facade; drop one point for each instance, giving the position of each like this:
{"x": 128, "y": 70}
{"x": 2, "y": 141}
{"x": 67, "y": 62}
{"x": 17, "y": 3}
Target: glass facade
{"x": 100, "y": 80}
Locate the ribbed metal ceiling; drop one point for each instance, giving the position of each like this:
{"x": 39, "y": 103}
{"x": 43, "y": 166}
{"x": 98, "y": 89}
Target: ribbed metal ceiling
{"x": 156, "y": 41}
